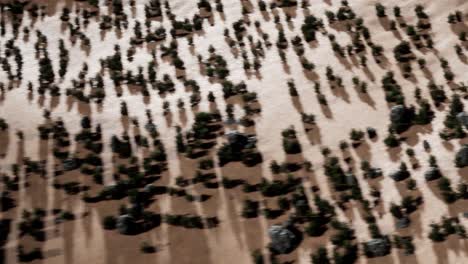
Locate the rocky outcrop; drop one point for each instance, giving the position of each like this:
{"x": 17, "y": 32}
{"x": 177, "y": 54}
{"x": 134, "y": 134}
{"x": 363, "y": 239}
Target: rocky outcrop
{"x": 463, "y": 118}
{"x": 70, "y": 164}
{"x": 461, "y": 158}
{"x": 239, "y": 140}
{"x": 402, "y": 222}
{"x": 283, "y": 238}
{"x": 126, "y": 224}
{"x": 397, "y": 114}
{"x": 377, "y": 247}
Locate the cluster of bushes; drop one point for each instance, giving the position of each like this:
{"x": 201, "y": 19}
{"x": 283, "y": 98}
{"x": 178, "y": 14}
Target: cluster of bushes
{"x": 186, "y": 27}
{"x": 46, "y": 72}
{"x": 216, "y": 66}
{"x": 405, "y": 243}
{"x": 393, "y": 93}
{"x": 286, "y": 3}
{"x": 250, "y": 209}
{"x": 3, "y": 124}
{"x": 165, "y": 85}
{"x": 336, "y": 175}
{"x": 64, "y": 58}
{"x": 403, "y": 117}
{"x": 369, "y": 171}
{"x": 448, "y": 226}
{"x": 452, "y": 122}
{"x": 34, "y": 254}
{"x": 317, "y": 221}
{"x": 344, "y": 13}
{"x": 437, "y": 93}
{"x": 407, "y": 206}
{"x": 6, "y": 202}
{"x": 278, "y": 187}
{"x": 114, "y": 64}
{"x": 147, "y": 248}
{"x": 239, "y": 148}
{"x": 310, "y": 27}
{"x": 401, "y": 174}
{"x": 380, "y": 10}
{"x": 402, "y": 52}
{"x": 454, "y": 18}
{"x": 424, "y": 115}
{"x": 448, "y": 193}
{"x": 287, "y": 167}
{"x": 203, "y": 127}
{"x": 231, "y": 89}
{"x": 249, "y": 157}
{"x": 122, "y": 147}
{"x": 32, "y": 223}
{"x": 191, "y": 221}
{"x": 320, "y": 256}
{"x": 345, "y": 250}
{"x": 153, "y": 9}
{"x": 126, "y": 187}
{"x": 291, "y": 144}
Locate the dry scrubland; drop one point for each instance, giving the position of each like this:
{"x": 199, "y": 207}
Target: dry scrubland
{"x": 116, "y": 142}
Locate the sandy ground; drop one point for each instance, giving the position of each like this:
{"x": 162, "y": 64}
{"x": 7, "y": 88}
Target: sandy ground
{"x": 84, "y": 240}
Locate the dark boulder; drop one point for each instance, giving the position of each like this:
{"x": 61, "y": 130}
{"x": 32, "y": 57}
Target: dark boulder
{"x": 463, "y": 118}
{"x": 402, "y": 222}
{"x": 284, "y": 238}
{"x": 70, "y": 164}
{"x": 461, "y": 158}
{"x": 237, "y": 139}
{"x": 377, "y": 247}
{"x": 401, "y": 118}
{"x": 126, "y": 224}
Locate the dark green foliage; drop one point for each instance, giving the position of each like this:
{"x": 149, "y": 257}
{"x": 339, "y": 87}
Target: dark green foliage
{"x": 336, "y": 174}
{"x": 446, "y": 190}
{"x": 34, "y": 254}
{"x": 320, "y": 256}
{"x": 397, "y": 11}
{"x": 315, "y": 228}
{"x": 405, "y": 243}
{"x": 436, "y": 234}
{"x": 3, "y": 124}
{"x": 347, "y": 255}
{"x": 109, "y": 222}
{"x": 380, "y": 10}
{"x": 310, "y": 27}
{"x": 190, "y": 221}
{"x": 180, "y": 144}
{"x": 424, "y": 115}
{"x": 239, "y": 148}
{"x": 147, "y": 248}
{"x": 121, "y": 147}
{"x": 250, "y": 209}
{"x": 393, "y": 93}
{"x": 278, "y": 187}
{"x": 402, "y": 52}
{"x": 456, "y": 107}
{"x": 46, "y": 72}
{"x": 437, "y": 94}
{"x": 291, "y": 144}
{"x": 257, "y": 257}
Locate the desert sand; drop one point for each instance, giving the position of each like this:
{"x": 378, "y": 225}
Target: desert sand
{"x": 84, "y": 240}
